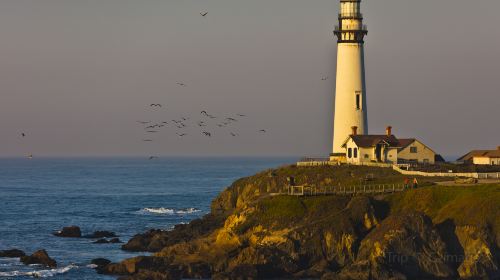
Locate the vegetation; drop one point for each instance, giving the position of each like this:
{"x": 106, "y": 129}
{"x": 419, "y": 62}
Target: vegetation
{"x": 472, "y": 205}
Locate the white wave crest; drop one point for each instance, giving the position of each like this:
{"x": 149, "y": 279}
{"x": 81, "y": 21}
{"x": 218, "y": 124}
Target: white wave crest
{"x": 38, "y": 273}
{"x": 168, "y": 211}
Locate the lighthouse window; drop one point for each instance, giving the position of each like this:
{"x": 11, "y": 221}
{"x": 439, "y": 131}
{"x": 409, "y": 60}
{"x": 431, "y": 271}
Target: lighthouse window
{"x": 358, "y": 101}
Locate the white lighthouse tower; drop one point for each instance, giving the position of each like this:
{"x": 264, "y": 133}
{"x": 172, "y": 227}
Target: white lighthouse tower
{"x": 350, "y": 93}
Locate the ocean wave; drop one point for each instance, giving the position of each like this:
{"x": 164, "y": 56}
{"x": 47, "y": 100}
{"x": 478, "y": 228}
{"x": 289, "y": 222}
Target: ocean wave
{"x": 168, "y": 211}
{"x": 38, "y": 273}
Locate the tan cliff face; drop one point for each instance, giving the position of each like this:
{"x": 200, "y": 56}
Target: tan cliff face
{"x": 424, "y": 233}
{"x": 478, "y": 259}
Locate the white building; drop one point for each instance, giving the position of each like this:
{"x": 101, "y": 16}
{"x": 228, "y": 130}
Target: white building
{"x": 482, "y": 157}
{"x": 385, "y": 148}
{"x": 350, "y": 92}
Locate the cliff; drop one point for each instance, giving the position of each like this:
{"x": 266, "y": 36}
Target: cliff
{"x": 428, "y": 233}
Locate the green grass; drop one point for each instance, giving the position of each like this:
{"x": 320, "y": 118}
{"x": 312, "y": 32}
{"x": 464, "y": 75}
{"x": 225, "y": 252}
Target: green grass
{"x": 473, "y": 205}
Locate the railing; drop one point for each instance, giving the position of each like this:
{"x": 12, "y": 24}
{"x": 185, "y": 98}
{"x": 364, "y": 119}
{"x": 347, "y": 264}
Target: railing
{"x": 311, "y": 159}
{"x": 344, "y": 190}
{"x": 363, "y": 28}
{"x": 350, "y": 16}
{"x": 493, "y": 175}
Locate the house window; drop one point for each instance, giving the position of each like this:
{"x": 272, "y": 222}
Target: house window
{"x": 358, "y": 100}
{"x": 413, "y": 150}
{"x": 355, "y": 152}
{"x": 349, "y": 153}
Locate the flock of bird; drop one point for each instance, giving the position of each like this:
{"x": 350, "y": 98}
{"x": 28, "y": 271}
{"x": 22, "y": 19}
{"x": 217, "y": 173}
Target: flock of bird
{"x": 205, "y": 122}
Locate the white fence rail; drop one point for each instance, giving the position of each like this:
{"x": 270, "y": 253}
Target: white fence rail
{"x": 448, "y": 174}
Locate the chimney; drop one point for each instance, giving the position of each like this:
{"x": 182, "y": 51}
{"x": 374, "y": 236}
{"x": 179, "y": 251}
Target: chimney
{"x": 388, "y": 131}
{"x": 354, "y": 130}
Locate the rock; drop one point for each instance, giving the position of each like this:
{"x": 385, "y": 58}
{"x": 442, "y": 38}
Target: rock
{"x": 152, "y": 275}
{"x": 105, "y": 241}
{"x": 141, "y": 242}
{"x": 155, "y": 240}
{"x": 39, "y": 257}
{"x": 71, "y": 231}
{"x": 12, "y": 253}
{"x": 240, "y": 272}
{"x": 100, "y": 262}
{"x": 196, "y": 270}
{"x": 478, "y": 260}
{"x": 101, "y": 234}
{"x": 145, "y": 268}
{"x": 403, "y": 246}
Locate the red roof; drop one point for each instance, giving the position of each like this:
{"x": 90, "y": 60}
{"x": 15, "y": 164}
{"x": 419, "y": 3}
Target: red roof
{"x": 366, "y": 141}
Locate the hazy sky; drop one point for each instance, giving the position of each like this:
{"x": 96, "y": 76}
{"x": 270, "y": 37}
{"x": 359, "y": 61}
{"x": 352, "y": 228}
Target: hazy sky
{"x": 76, "y": 75}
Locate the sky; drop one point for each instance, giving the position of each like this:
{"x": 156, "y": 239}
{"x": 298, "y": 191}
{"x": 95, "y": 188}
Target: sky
{"x": 77, "y": 75}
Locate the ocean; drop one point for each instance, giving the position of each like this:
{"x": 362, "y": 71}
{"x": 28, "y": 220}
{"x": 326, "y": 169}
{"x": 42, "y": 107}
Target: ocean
{"x": 123, "y": 195}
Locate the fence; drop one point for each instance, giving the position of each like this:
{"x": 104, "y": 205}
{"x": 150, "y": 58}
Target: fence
{"x": 449, "y": 174}
{"x": 308, "y": 162}
{"x": 344, "y": 190}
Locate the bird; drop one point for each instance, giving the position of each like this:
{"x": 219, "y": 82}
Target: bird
{"x": 147, "y": 140}
{"x": 234, "y": 134}
{"x": 220, "y": 125}
{"x": 241, "y": 115}
{"x": 152, "y": 131}
{"x": 232, "y": 119}
{"x": 155, "y": 105}
{"x": 181, "y": 134}
{"x": 181, "y": 84}
{"x": 201, "y": 124}
{"x": 23, "y": 134}
{"x": 207, "y": 133}
{"x": 204, "y": 113}
{"x": 153, "y": 157}
{"x": 185, "y": 119}
{"x": 324, "y": 78}
{"x": 203, "y": 14}
{"x": 263, "y": 131}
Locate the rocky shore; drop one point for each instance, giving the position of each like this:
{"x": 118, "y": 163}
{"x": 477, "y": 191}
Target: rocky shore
{"x": 433, "y": 232}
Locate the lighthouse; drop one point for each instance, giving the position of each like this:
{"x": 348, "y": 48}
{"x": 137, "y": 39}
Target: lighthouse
{"x": 350, "y": 92}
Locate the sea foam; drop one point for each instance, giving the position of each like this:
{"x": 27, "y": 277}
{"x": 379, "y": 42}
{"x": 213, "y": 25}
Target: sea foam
{"x": 38, "y": 273}
{"x": 168, "y": 211}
